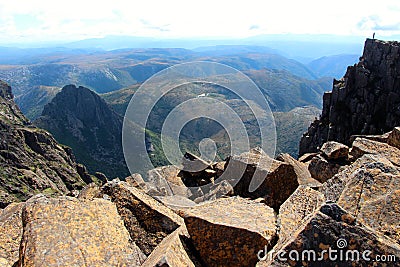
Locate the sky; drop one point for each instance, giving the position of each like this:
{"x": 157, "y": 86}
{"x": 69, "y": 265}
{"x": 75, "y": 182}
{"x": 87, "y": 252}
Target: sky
{"x": 52, "y": 20}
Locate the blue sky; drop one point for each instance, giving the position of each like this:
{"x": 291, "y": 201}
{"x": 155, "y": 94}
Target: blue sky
{"x": 40, "y": 20}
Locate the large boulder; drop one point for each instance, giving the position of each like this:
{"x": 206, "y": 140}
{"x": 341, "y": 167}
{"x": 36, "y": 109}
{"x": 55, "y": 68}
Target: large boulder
{"x": 362, "y": 146}
{"x": 166, "y": 181}
{"x": 277, "y": 180}
{"x": 303, "y": 175}
{"x": 173, "y": 251}
{"x": 334, "y": 150}
{"x": 321, "y": 169}
{"x": 332, "y": 237}
{"x": 10, "y": 233}
{"x": 333, "y": 188}
{"x": 230, "y": 231}
{"x": 147, "y": 220}
{"x": 66, "y": 231}
{"x": 372, "y": 196}
{"x": 393, "y": 138}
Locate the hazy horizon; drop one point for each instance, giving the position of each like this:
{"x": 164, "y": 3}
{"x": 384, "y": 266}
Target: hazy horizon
{"x": 29, "y": 22}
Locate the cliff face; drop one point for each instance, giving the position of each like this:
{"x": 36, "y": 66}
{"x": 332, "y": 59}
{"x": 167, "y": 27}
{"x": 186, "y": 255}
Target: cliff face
{"x": 365, "y": 101}
{"x": 31, "y": 161}
{"x": 79, "y": 118}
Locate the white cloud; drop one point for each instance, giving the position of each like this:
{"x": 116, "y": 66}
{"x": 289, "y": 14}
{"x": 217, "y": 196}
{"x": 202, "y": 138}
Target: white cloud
{"x": 77, "y": 19}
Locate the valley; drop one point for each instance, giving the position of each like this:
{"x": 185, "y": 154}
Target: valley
{"x": 292, "y": 89}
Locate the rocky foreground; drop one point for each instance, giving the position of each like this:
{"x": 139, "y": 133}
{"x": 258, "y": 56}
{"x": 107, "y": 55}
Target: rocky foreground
{"x": 340, "y": 193}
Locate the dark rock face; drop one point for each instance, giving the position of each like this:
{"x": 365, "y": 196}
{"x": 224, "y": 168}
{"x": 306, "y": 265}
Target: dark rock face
{"x": 79, "y": 118}
{"x": 365, "y": 101}
{"x": 31, "y": 161}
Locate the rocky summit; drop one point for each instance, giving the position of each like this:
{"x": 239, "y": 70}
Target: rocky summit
{"x": 335, "y": 206}
{"x": 365, "y": 101}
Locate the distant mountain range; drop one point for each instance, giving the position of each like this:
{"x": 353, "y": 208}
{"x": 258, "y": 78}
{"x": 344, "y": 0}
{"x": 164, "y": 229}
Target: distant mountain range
{"x": 79, "y": 118}
{"x": 106, "y": 71}
{"x": 332, "y": 66}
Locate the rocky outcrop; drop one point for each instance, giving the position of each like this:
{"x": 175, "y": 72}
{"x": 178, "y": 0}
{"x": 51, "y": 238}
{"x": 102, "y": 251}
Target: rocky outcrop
{"x": 355, "y": 211}
{"x": 65, "y": 231}
{"x": 79, "y": 118}
{"x": 364, "y": 101}
{"x": 31, "y": 161}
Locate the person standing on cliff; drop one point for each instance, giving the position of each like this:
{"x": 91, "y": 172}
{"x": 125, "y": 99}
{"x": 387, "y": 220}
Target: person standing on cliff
{"x": 373, "y": 36}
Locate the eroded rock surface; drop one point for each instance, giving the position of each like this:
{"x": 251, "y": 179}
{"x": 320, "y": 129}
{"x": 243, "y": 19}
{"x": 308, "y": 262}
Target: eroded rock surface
{"x": 230, "y": 231}
{"x": 10, "y": 233}
{"x": 147, "y": 220}
{"x": 333, "y": 228}
{"x": 296, "y": 209}
{"x": 66, "y": 231}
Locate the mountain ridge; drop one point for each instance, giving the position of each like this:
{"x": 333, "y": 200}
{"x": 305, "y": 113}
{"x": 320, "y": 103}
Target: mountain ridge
{"x": 31, "y": 161}
{"x": 364, "y": 101}
{"x": 79, "y": 118}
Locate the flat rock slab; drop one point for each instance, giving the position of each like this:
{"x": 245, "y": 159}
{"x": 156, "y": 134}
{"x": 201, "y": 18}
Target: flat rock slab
{"x": 147, "y": 220}
{"x": 333, "y": 188}
{"x": 230, "y": 231}
{"x": 363, "y": 146}
{"x": 372, "y": 196}
{"x": 332, "y": 228}
{"x": 69, "y": 232}
{"x": 296, "y": 209}
{"x": 10, "y": 232}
